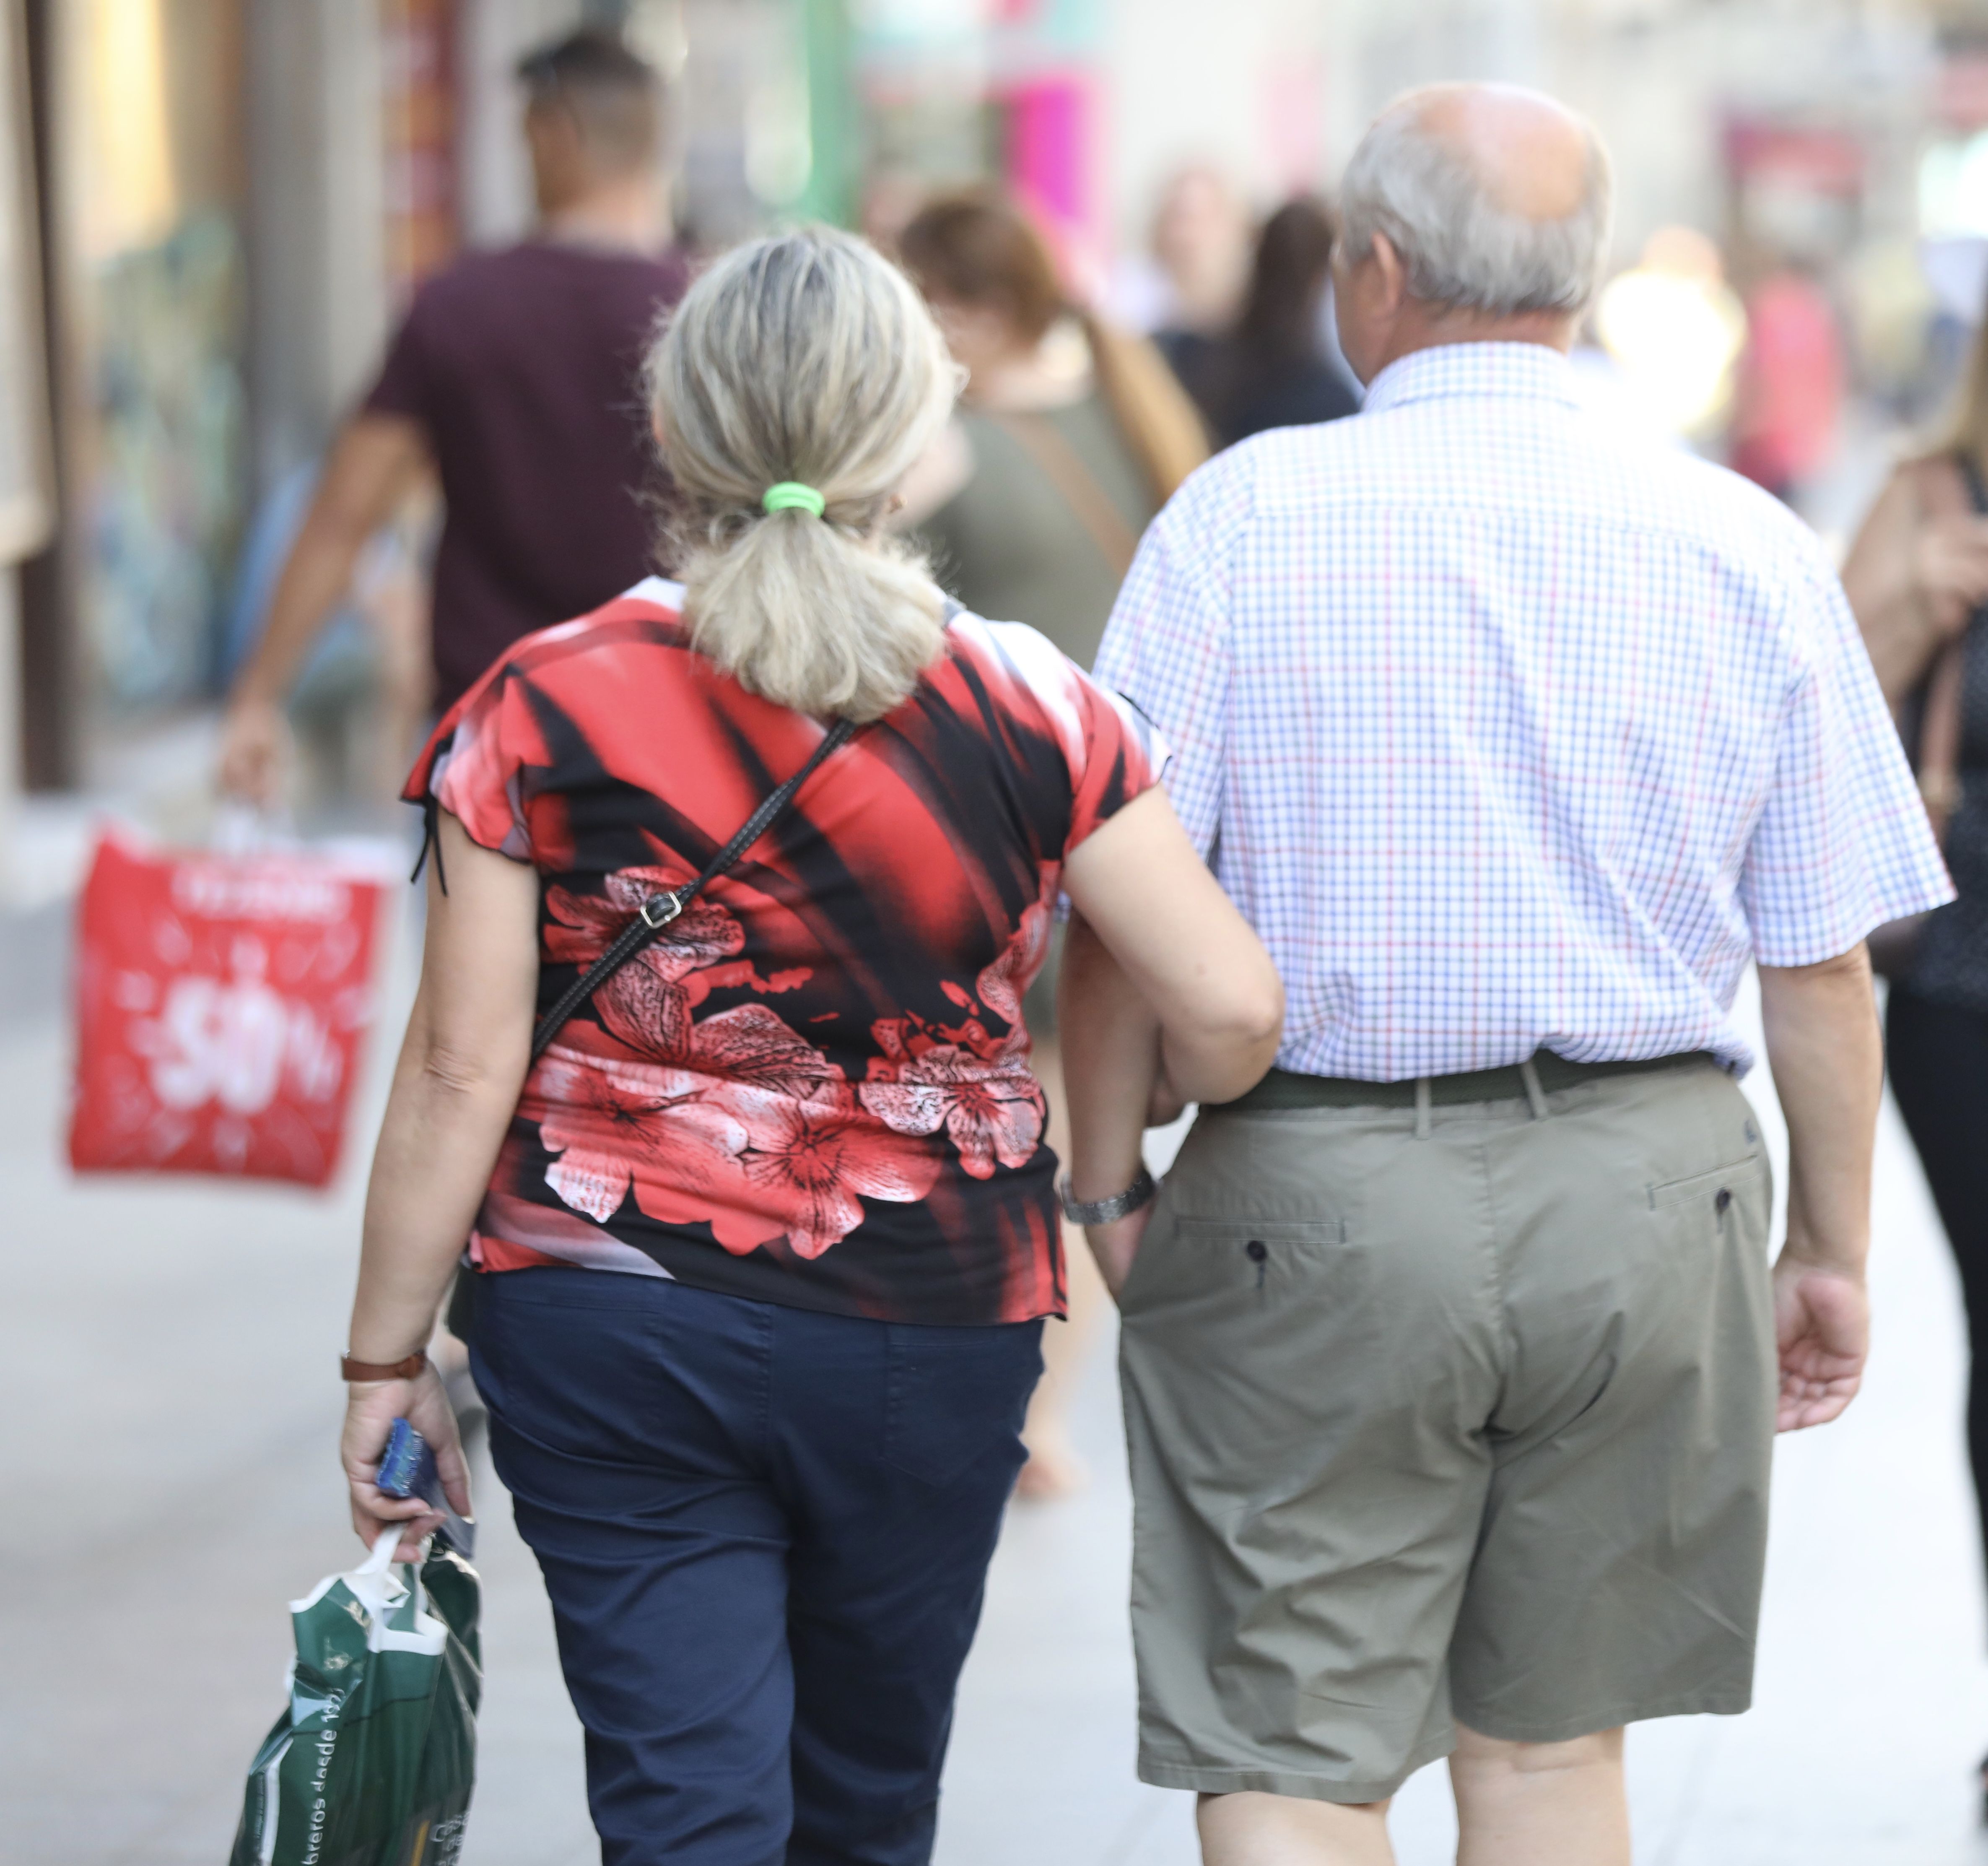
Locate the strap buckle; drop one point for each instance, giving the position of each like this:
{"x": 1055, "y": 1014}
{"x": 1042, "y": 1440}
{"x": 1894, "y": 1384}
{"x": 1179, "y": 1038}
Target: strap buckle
{"x": 659, "y": 910}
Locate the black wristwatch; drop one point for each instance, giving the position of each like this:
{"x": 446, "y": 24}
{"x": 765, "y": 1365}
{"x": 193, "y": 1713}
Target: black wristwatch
{"x": 1107, "y": 1211}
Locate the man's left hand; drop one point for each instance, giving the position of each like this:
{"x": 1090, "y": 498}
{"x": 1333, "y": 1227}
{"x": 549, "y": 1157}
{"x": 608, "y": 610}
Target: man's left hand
{"x": 1822, "y": 1325}
{"x": 1114, "y": 1246}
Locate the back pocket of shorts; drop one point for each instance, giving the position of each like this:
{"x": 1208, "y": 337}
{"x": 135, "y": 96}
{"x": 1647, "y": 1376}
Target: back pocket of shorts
{"x": 1727, "y": 1182}
{"x": 957, "y": 1395}
{"x": 1263, "y": 1262}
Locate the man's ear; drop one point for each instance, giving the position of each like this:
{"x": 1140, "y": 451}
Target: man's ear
{"x": 1390, "y": 276}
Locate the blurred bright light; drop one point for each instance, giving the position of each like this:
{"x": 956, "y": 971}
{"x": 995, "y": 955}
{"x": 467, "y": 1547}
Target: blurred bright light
{"x": 780, "y": 141}
{"x": 921, "y": 20}
{"x": 131, "y": 197}
{"x": 1675, "y": 332}
{"x": 1953, "y": 187}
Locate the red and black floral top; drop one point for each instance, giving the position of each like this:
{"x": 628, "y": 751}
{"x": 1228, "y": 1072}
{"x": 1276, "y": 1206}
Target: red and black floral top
{"x": 814, "y": 1088}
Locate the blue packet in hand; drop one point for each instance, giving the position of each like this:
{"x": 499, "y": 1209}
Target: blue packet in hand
{"x": 407, "y": 1469}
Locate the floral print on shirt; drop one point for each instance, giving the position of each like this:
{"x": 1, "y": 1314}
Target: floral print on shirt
{"x": 814, "y": 1087}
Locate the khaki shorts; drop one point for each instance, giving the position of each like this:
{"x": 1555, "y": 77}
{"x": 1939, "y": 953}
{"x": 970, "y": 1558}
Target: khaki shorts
{"x": 1472, "y": 1428}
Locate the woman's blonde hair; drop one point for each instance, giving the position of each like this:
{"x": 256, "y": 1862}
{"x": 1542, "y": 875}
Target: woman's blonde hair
{"x": 805, "y": 356}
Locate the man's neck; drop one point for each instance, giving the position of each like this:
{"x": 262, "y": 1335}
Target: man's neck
{"x": 1433, "y": 328}
{"x": 619, "y": 217}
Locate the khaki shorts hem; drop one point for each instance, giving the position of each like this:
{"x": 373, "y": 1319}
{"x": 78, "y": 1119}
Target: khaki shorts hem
{"x": 1607, "y": 1717}
{"x": 1207, "y": 1781}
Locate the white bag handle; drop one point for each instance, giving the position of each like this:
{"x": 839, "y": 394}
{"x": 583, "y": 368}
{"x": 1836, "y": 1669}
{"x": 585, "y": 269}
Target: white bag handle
{"x": 383, "y": 1546}
{"x": 383, "y": 1593}
{"x": 242, "y": 830}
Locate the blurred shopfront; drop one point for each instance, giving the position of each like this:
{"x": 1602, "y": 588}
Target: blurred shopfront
{"x": 144, "y": 154}
{"x": 222, "y": 204}
{"x": 146, "y": 161}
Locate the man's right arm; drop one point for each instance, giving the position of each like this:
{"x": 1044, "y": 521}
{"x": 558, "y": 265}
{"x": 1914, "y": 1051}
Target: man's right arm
{"x": 1828, "y": 1059}
{"x": 375, "y": 460}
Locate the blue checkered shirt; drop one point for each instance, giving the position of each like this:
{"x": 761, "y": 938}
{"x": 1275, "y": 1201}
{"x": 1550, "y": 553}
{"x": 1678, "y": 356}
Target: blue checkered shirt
{"x": 1508, "y": 731}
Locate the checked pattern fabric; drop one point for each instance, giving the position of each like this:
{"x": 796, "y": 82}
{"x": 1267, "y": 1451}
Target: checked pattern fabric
{"x": 1509, "y": 731}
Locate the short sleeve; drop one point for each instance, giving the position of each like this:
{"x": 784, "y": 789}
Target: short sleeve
{"x": 1842, "y": 844}
{"x": 405, "y": 383}
{"x": 473, "y": 765}
{"x": 1166, "y": 648}
{"x": 1111, "y": 754}
{"x": 1121, "y": 757}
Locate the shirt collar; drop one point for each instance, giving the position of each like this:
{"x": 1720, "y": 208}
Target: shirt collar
{"x": 1526, "y": 371}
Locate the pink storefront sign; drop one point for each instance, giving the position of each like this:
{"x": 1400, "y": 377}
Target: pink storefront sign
{"x": 1049, "y": 122}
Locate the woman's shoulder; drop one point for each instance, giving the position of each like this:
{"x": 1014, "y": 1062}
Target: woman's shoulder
{"x": 597, "y": 655}
{"x": 1017, "y": 670}
{"x": 650, "y": 615}
{"x": 588, "y": 667}
{"x": 1012, "y": 685}
{"x": 1013, "y": 647}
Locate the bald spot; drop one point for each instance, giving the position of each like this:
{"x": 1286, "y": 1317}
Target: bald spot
{"x": 1531, "y": 154}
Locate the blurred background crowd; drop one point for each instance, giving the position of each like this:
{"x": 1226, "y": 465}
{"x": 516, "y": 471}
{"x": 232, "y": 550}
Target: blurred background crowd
{"x": 212, "y": 212}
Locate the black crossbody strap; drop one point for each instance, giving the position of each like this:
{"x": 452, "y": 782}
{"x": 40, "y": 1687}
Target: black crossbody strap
{"x": 659, "y": 910}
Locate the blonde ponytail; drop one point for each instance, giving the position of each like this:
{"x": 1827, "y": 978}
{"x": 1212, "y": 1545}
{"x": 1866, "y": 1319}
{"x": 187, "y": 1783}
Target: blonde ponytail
{"x": 805, "y": 356}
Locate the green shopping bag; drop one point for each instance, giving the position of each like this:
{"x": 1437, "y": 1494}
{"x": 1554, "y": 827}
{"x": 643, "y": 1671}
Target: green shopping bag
{"x": 372, "y": 1762}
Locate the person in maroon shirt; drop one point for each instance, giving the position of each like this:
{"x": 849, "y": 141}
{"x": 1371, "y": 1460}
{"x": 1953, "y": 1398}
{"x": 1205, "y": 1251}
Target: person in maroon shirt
{"x": 513, "y": 378}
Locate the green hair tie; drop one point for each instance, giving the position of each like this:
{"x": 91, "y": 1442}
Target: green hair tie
{"x": 791, "y": 495}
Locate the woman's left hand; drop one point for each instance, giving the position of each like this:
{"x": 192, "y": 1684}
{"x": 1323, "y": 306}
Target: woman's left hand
{"x": 1114, "y": 1246}
{"x": 370, "y": 1409}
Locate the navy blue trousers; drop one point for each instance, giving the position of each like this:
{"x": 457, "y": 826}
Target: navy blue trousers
{"x": 766, "y": 1534}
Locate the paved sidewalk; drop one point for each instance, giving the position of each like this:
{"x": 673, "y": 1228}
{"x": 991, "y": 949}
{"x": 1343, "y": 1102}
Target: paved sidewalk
{"x": 168, "y": 1362}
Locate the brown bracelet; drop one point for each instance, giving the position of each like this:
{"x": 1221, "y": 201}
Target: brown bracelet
{"x": 351, "y": 1370}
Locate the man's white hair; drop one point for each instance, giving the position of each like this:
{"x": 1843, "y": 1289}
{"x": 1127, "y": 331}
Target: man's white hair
{"x": 1460, "y": 247}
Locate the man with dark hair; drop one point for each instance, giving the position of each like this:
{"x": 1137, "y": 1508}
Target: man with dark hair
{"x": 609, "y": 93}
{"x": 514, "y": 378}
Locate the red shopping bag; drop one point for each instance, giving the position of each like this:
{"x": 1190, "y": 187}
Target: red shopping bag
{"x": 221, "y": 1002}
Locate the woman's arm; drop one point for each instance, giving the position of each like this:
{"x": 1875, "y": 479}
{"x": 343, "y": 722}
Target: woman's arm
{"x": 1101, "y": 1017}
{"x": 1194, "y": 960}
{"x": 1166, "y": 995}
{"x": 454, "y": 1090}
{"x": 1914, "y": 576}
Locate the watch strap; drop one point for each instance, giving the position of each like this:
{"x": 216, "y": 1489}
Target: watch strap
{"x": 351, "y": 1370}
{"x": 1108, "y": 1211}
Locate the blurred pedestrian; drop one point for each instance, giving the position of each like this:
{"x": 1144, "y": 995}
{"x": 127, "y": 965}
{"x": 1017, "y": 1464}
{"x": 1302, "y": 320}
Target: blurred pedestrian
{"x": 1071, "y": 436}
{"x": 1788, "y": 399}
{"x": 1271, "y": 370}
{"x": 1189, "y": 282}
{"x": 360, "y": 701}
{"x": 766, "y": 1234}
{"x": 1918, "y": 578}
{"x": 1450, "y": 1351}
{"x": 513, "y": 377}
